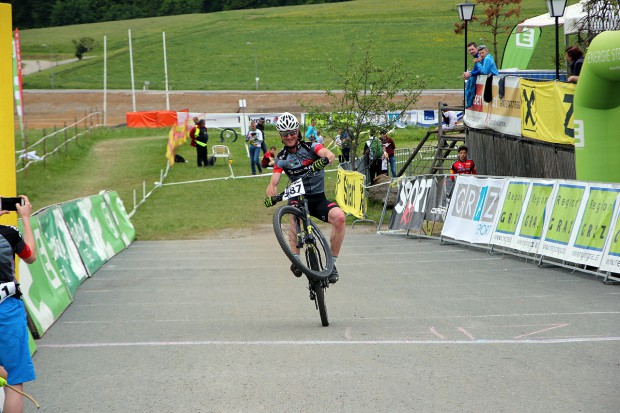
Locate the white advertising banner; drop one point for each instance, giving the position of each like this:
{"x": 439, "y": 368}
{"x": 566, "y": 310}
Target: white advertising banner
{"x": 568, "y": 205}
{"x": 473, "y": 209}
{"x": 611, "y": 254}
{"x": 589, "y": 239}
{"x": 503, "y": 113}
{"x": 524, "y": 211}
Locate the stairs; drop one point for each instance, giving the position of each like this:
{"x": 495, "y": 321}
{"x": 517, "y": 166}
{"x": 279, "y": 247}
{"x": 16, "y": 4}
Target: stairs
{"x": 448, "y": 142}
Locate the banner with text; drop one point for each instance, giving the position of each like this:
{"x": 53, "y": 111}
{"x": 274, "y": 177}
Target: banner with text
{"x": 503, "y": 113}
{"x": 350, "y": 192}
{"x": 611, "y": 254}
{"x": 474, "y": 209}
{"x": 421, "y": 198}
{"x": 547, "y": 111}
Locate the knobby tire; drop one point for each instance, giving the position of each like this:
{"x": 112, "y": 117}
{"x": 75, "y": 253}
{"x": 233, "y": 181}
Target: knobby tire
{"x": 228, "y": 135}
{"x": 319, "y": 292}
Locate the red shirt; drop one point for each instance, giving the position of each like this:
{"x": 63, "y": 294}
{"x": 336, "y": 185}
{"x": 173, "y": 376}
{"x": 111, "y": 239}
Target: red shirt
{"x": 466, "y": 167}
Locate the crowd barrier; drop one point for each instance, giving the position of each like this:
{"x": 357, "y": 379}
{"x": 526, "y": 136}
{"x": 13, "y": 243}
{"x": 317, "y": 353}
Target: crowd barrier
{"x": 563, "y": 222}
{"x": 74, "y": 239}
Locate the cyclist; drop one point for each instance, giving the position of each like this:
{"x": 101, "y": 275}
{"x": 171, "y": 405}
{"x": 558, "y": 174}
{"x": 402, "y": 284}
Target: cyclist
{"x": 297, "y": 158}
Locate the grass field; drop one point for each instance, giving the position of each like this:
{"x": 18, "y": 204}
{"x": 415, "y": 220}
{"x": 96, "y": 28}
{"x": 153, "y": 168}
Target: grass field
{"x": 122, "y": 159}
{"x": 294, "y": 46}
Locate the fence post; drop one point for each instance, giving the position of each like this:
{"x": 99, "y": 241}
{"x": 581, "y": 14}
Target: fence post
{"x": 76, "y": 131}
{"x": 55, "y": 140}
{"x": 65, "y": 129}
{"x": 44, "y": 157}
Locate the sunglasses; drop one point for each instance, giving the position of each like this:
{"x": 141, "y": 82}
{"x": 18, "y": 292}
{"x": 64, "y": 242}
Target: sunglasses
{"x": 284, "y": 134}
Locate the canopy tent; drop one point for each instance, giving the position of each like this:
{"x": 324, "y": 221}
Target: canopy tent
{"x": 572, "y": 16}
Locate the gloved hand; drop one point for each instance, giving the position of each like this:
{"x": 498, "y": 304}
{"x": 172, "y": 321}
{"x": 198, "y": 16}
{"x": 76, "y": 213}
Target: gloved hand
{"x": 269, "y": 201}
{"x": 319, "y": 164}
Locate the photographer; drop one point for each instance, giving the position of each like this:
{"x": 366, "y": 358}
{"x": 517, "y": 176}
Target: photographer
{"x": 15, "y": 354}
{"x": 255, "y": 139}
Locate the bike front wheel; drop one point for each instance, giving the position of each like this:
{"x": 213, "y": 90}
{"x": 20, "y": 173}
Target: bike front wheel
{"x": 305, "y": 247}
{"x": 228, "y": 135}
{"x": 319, "y": 296}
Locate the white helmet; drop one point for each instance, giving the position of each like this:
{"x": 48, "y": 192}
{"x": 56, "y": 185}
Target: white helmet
{"x": 287, "y": 121}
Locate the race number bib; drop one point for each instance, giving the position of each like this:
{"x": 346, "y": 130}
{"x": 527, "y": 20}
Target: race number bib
{"x": 7, "y": 290}
{"x": 294, "y": 190}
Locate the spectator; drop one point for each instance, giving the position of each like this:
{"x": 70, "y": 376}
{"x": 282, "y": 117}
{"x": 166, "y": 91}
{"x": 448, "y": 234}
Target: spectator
{"x": 373, "y": 150}
{"x": 319, "y": 137}
{"x": 487, "y": 64}
{"x": 311, "y": 132}
{"x": 192, "y": 132}
{"x": 462, "y": 164}
{"x": 575, "y": 59}
{"x": 15, "y": 353}
{"x": 389, "y": 146}
{"x": 345, "y": 137}
{"x": 202, "y": 137}
{"x": 269, "y": 158}
{"x": 260, "y": 125}
{"x": 449, "y": 118}
{"x": 470, "y": 85}
{"x": 255, "y": 139}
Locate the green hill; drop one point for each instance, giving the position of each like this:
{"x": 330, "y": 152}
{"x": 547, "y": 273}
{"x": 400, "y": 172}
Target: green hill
{"x": 294, "y": 46}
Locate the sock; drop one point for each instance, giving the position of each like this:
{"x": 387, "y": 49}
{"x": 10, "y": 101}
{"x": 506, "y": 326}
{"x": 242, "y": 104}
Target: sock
{"x": 335, "y": 259}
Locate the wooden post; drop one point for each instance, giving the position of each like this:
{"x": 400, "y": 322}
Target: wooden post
{"x": 76, "y": 130}
{"x": 65, "y": 129}
{"x": 44, "y": 140}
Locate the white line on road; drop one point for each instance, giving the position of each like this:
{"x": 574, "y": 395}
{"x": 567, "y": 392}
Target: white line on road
{"x": 323, "y": 342}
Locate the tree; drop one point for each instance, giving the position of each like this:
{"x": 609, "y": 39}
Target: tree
{"x": 369, "y": 93}
{"x": 600, "y": 15}
{"x": 83, "y": 45}
{"x": 495, "y": 13}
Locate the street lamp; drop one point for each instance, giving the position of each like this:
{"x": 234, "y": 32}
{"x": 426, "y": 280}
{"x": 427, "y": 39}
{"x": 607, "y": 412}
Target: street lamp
{"x": 556, "y": 9}
{"x": 255, "y": 63}
{"x": 466, "y": 12}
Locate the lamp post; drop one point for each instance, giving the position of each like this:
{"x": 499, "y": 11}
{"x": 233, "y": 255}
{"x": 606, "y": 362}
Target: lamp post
{"x": 466, "y": 12}
{"x": 556, "y": 9}
{"x": 255, "y": 63}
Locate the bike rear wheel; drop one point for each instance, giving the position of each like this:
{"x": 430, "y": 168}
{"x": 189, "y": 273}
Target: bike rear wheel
{"x": 228, "y": 135}
{"x": 319, "y": 291}
{"x": 314, "y": 258}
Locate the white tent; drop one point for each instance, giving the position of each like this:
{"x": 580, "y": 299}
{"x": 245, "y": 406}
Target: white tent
{"x": 572, "y": 16}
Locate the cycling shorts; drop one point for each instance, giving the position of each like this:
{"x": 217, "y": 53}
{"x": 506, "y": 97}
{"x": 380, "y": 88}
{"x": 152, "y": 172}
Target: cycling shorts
{"x": 318, "y": 205}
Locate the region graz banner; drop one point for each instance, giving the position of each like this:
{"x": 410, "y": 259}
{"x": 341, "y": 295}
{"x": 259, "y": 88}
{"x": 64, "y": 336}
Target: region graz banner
{"x": 611, "y": 255}
{"x": 525, "y": 208}
{"x": 547, "y": 111}
{"x": 350, "y": 192}
{"x": 520, "y": 48}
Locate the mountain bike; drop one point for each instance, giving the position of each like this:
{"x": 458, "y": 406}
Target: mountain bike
{"x": 303, "y": 243}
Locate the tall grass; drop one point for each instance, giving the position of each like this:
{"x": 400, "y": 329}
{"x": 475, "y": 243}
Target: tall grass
{"x": 294, "y": 45}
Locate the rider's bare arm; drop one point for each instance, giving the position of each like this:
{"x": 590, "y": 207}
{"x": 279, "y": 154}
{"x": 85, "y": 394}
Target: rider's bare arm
{"x": 272, "y": 188}
{"x": 326, "y": 153}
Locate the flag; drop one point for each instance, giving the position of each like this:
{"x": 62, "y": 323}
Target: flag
{"x": 520, "y": 48}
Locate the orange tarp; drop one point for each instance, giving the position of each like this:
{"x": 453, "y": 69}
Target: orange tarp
{"x": 151, "y": 119}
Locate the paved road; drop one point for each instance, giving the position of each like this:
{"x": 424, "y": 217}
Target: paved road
{"x": 220, "y": 325}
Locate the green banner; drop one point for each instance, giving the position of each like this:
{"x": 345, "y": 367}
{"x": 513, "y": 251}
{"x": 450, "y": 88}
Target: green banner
{"x": 520, "y": 48}
{"x": 597, "y": 111}
{"x": 534, "y": 218}
{"x": 565, "y": 210}
{"x": 105, "y": 225}
{"x": 45, "y": 293}
{"x": 513, "y": 204}
{"x": 63, "y": 250}
{"x": 596, "y": 219}
{"x": 89, "y": 243}
{"x": 127, "y": 230}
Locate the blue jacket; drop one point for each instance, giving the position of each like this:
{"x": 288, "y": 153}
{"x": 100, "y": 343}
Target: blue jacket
{"x": 486, "y": 67}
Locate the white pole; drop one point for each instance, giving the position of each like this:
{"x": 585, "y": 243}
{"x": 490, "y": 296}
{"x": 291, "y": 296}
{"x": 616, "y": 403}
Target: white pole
{"x": 105, "y": 81}
{"x": 166, "y": 71}
{"x": 133, "y": 88}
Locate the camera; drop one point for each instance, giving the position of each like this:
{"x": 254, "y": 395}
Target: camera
{"x": 253, "y": 133}
{"x": 8, "y": 203}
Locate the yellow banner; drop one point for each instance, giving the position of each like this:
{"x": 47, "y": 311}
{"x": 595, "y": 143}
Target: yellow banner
{"x": 7, "y": 137}
{"x": 547, "y": 111}
{"x": 350, "y": 192}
